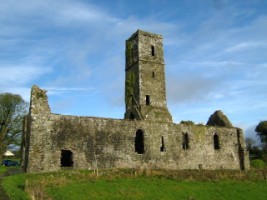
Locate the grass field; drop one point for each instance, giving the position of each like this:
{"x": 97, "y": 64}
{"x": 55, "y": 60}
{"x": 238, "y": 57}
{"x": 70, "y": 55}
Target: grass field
{"x": 155, "y": 188}
{"x": 129, "y": 184}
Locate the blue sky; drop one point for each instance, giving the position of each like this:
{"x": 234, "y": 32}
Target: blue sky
{"x": 215, "y": 54}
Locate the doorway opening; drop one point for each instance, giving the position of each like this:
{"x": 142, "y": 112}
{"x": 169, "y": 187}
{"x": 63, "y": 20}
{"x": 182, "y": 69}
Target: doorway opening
{"x": 139, "y": 142}
{"x": 66, "y": 158}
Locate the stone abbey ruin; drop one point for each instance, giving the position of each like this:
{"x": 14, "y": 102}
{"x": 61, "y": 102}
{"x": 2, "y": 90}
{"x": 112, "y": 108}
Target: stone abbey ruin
{"x": 146, "y": 138}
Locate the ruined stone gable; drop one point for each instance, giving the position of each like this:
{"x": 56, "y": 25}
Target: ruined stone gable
{"x": 145, "y": 138}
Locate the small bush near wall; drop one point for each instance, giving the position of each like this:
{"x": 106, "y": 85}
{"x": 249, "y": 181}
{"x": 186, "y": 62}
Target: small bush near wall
{"x": 258, "y": 164}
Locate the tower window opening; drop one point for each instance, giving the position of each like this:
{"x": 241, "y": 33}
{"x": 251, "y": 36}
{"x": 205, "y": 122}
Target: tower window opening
{"x": 185, "y": 141}
{"x": 66, "y": 158}
{"x": 216, "y": 141}
{"x": 152, "y": 50}
{"x": 139, "y": 142}
{"x": 147, "y": 100}
{"x": 153, "y": 74}
{"x": 162, "y": 148}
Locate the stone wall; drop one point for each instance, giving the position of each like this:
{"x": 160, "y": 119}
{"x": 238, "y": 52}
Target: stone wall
{"x": 109, "y": 143}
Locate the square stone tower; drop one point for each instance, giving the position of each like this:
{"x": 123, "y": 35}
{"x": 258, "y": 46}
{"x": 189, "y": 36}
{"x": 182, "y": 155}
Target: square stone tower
{"x": 145, "y": 90}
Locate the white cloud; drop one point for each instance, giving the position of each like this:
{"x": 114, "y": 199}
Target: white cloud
{"x": 74, "y": 12}
{"x": 60, "y": 91}
{"x": 19, "y": 75}
{"x": 246, "y": 45}
{"x": 14, "y": 79}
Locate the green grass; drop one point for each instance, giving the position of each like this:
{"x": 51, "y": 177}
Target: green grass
{"x": 130, "y": 184}
{"x": 3, "y": 169}
{"x": 159, "y": 188}
{"x": 14, "y": 186}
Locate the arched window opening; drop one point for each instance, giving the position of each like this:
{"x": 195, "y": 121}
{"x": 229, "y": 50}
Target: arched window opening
{"x": 152, "y": 50}
{"x": 185, "y": 141}
{"x": 162, "y": 148}
{"x": 132, "y": 117}
{"x": 147, "y": 100}
{"x": 139, "y": 142}
{"x": 66, "y": 158}
{"x": 216, "y": 141}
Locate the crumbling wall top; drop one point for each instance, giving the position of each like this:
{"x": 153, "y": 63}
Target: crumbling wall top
{"x": 141, "y": 32}
{"x": 219, "y": 119}
{"x": 39, "y": 101}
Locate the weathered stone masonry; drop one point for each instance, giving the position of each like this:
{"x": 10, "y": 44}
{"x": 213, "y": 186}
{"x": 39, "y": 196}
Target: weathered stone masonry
{"x": 146, "y": 138}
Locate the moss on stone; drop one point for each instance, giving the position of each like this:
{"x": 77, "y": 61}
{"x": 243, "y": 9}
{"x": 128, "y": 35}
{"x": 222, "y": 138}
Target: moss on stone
{"x": 129, "y": 86}
{"x": 148, "y": 33}
{"x": 156, "y": 113}
{"x": 219, "y": 119}
{"x": 38, "y": 93}
{"x": 199, "y": 132}
{"x": 128, "y": 51}
{"x": 161, "y": 113}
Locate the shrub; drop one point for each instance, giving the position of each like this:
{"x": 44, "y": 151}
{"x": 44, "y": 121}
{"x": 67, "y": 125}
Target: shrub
{"x": 258, "y": 164}
{"x": 187, "y": 122}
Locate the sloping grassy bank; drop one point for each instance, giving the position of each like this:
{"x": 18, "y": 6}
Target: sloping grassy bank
{"x": 14, "y": 187}
{"x": 138, "y": 184}
{"x": 3, "y": 195}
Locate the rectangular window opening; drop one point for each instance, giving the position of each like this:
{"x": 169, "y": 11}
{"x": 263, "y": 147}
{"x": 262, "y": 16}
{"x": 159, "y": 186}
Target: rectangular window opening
{"x": 216, "y": 141}
{"x": 162, "y": 148}
{"x": 147, "y": 100}
{"x": 153, "y": 74}
{"x": 152, "y": 51}
{"x": 185, "y": 143}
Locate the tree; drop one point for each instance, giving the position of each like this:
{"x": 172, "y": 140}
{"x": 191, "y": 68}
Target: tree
{"x": 261, "y": 130}
{"x": 254, "y": 151}
{"x": 12, "y": 111}
{"x": 249, "y": 143}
